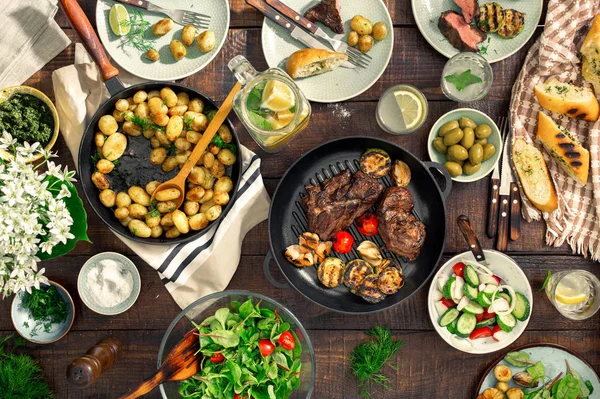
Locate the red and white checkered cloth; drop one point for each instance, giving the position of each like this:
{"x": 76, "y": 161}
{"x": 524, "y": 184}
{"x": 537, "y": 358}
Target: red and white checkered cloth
{"x": 555, "y": 53}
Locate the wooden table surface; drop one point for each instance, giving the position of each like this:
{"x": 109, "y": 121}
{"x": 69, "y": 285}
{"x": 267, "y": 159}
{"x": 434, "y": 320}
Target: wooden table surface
{"x": 429, "y": 368}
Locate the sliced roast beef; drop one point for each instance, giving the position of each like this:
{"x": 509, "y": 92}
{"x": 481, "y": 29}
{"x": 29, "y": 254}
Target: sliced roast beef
{"x": 327, "y": 12}
{"x": 469, "y": 9}
{"x": 459, "y": 33}
{"x": 401, "y": 231}
{"x": 333, "y": 206}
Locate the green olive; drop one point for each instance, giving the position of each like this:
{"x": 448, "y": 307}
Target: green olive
{"x": 469, "y": 168}
{"x": 453, "y": 137}
{"x": 453, "y": 168}
{"x": 458, "y": 152}
{"x": 476, "y": 154}
{"x": 466, "y": 122}
{"x": 452, "y": 159}
{"x": 481, "y": 141}
{"x": 483, "y": 131}
{"x": 468, "y": 138}
{"x": 488, "y": 151}
{"x": 446, "y": 127}
{"x": 438, "y": 144}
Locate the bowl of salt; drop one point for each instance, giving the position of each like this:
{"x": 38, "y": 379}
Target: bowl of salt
{"x": 109, "y": 283}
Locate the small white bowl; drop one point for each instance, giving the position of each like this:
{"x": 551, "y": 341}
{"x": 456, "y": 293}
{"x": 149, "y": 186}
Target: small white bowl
{"x": 511, "y": 274}
{"x": 129, "y": 267}
{"x": 478, "y": 117}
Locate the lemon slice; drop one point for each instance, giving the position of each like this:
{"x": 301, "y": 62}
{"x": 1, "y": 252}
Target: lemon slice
{"x": 410, "y": 107}
{"x": 119, "y": 20}
{"x": 277, "y": 96}
{"x": 568, "y": 296}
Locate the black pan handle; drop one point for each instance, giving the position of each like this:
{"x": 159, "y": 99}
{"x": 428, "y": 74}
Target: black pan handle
{"x": 464, "y": 224}
{"x": 270, "y": 279}
{"x": 448, "y": 180}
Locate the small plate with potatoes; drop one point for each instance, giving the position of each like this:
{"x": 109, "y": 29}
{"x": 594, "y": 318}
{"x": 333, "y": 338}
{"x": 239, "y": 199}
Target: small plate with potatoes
{"x": 467, "y": 142}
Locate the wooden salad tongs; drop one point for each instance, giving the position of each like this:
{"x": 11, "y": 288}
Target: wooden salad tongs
{"x": 180, "y": 364}
{"x": 178, "y": 182}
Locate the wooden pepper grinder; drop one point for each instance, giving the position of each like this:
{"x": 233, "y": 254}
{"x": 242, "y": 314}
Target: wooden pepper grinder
{"x": 84, "y": 370}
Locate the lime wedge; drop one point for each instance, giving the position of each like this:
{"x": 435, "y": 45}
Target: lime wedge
{"x": 119, "y": 20}
{"x": 410, "y": 107}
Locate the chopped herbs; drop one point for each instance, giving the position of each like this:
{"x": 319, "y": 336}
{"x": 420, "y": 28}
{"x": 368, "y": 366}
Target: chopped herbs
{"x": 46, "y": 306}
{"x": 218, "y": 141}
{"x": 463, "y": 80}
{"x": 560, "y": 90}
{"x": 145, "y": 124}
{"x": 27, "y": 118}
{"x": 188, "y": 121}
{"x": 484, "y": 49}
{"x": 136, "y": 37}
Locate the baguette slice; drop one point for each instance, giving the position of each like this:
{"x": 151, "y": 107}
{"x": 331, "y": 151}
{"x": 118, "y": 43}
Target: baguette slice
{"x": 564, "y": 148}
{"x": 564, "y": 98}
{"x": 534, "y": 176}
{"x": 312, "y": 61}
{"x": 590, "y": 51}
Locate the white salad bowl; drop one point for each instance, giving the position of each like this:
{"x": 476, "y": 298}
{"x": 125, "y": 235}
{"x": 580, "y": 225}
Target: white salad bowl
{"x": 511, "y": 274}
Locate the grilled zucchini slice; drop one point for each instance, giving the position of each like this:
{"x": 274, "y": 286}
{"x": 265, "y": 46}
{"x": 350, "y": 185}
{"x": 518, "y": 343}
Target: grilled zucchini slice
{"x": 355, "y": 272}
{"x": 330, "y": 272}
{"x": 390, "y": 281}
{"x": 375, "y": 162}
{"x": 369, "y": 289}
{"x": 491, "y": 17}
{"x": 514, "y": 22}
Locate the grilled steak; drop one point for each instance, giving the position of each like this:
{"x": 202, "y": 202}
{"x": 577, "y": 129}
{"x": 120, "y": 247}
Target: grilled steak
{"x": 333, "y": 206}
{"x": 459, "y": 33}
{"x": 401, "y": 231}
{"x": 328, "y": 12}
{"x": 469, "y": 9}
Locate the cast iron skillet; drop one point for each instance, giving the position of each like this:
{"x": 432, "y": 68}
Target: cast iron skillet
{"x": 134, "y": 167}
{"x": 287, "y": 220}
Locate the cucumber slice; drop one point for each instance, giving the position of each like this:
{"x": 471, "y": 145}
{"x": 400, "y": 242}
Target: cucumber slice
{"x": 484, "y": 299}
{"x": 471, "y": 276}
{"x": 448, "y": 288}
{"x": 465, "y": 325}
{"x": 490, "y": 289}
{"x": 473, "y": 308}
{"x": 506, "y": 322}
{"x": 452, "y": 327}
{"x": 448, "y": 317}
{"x": 505, "y": 296}
{"x": 522, "y": 307}
{"x": 470, "y": 292}
{"x": 486, "y": 322}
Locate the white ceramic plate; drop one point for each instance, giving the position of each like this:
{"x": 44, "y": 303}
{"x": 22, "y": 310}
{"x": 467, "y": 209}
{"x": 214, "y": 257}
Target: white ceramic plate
{"x": 135, "y": 61}
{"x": 342, "y": 83}
{"x": 511, "y": 274}
{"x": 427, "y": 14}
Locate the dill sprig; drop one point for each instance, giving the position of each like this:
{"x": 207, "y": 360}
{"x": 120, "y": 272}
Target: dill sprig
{"x": 369, "y": 357}
{"x": 136, "y": 37}
{"x": 145, "y": 124}
{"x": 46, "y": 306}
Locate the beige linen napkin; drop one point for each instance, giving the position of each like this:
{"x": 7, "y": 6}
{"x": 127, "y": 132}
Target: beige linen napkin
{"x": 29, "y": 39}
{"x": 197, "y": 268}
{"x": 576, "y": 221}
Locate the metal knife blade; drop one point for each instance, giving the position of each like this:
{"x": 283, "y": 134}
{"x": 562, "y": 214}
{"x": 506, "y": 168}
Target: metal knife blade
{"x": 304, "y": 37}
{"x": 506, "y": 171}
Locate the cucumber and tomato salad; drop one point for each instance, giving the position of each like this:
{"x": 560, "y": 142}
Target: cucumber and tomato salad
{"x": 472, "y": 303}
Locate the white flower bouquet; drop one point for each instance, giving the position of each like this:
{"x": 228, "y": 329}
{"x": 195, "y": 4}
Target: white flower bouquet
{"x": 41, "y": 215}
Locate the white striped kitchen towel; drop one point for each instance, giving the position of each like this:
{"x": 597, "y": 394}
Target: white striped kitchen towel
{"x": 190, "y": 270}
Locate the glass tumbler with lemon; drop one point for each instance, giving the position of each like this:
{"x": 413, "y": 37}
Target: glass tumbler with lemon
{"x": 270, "y": 105}
{"x": 574, "y": 293}
{"x": 402, "y": 109}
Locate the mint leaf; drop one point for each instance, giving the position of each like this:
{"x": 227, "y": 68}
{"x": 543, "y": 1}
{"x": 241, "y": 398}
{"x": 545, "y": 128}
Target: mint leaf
{"x": 546, "y": 281}
{"x": 463, "y": 80}
{"x": 254, "y": 99}
{"x": 260, "y": 121}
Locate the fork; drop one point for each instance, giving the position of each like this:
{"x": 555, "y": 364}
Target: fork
{"x": 494, "y": 196}
{"x": 181, "y": 17}
{"x": 336, "y": 44}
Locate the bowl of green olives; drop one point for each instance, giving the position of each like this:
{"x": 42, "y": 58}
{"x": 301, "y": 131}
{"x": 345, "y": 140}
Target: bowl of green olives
{"x": 467, "y": 142}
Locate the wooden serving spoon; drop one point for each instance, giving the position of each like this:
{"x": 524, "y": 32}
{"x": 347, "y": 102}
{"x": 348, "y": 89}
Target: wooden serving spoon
{"x": 180, "y": 364}
{"x": 178, "y": 182}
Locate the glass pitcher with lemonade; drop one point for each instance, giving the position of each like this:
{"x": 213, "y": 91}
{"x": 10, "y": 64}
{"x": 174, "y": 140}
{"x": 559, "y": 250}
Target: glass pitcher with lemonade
{"x": 270, "y": 105}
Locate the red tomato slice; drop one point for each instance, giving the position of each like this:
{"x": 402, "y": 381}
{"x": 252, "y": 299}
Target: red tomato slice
{"x": 217, "y": 358}
{"x": 479, "y": 317}
{"x": 486, "y": 314}
{"x": 482, "y": 332}
{"x": 459, "y": 269}
{"x": 449, "y": 303}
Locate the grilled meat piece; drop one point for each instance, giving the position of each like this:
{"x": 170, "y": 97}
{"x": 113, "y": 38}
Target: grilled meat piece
{"x": 328, "y": 12}
{"x": 459, "y": 33}
{"x": 333, "y": 206}
{"x": 401, "y": 231}
{"x": 469, "y": 9}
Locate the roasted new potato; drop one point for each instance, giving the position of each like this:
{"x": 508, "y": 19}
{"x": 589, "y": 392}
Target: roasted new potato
{"x": 380, "y": 31}
{"x": 361, "y": 25}
{"x": 114, "y": 146}
{"x": 100, "y": 181}
{"x": 152, "y": 55}
{"x": 207, "y": 41}
{"x": 123, "y": 200}
{"x": 188, "y": 34}
{"x": 108, "y": 198}
{"x": 352, "y": 39}
{"x": 177, "y": 49}
{"x": 139, "y": 228}
{"x": 365, "y": 43}
{"x": 139, "y": 195}
{"x": 168, "y": 194}
{"x": 104, "y": 166}
{"x": 163, "y": 27}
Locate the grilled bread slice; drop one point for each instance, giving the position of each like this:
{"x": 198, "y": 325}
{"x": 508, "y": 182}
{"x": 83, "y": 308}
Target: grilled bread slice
{"x": 534, "y": 176}
{"x": 564, "y": 148}
{"x": 312, "y": 61}
{"x": 564, "y": 98}
{"x": 590, "y": 51}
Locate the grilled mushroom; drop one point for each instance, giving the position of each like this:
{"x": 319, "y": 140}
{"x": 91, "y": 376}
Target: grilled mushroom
{"x": 308, "y": 241}
{"x": 323, "y": 250}
{"x": 523, "y": 379}
{"x": 370, "y": 253}
{"x": 400, "y": 173}
{"x": 299, "y": 258}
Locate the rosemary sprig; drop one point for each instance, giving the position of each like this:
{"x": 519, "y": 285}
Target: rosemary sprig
{"x": 137, "y": 34}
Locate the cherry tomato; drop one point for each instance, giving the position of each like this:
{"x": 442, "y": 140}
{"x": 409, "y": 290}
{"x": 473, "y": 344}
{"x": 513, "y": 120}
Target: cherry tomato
{"x": 367, "y": 224}
{"x": 482, "y": 332}
{"x": 459, "y": 269}
{"x": 266, "y": 347}
{"x": 449, "y": 303}
{"x": 237, "y": 396}
{"x": 487, "y": 315}
{"x": 479, "y": 317}
{"x": 286, "y": 340}
{"x": 217, "y": 358}
{"x": 342, "y": 242}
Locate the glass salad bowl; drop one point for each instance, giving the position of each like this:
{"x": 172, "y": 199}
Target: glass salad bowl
{"x": 207, "y": 306}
